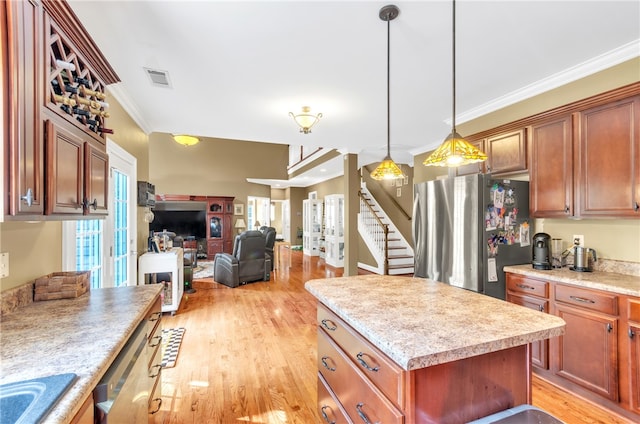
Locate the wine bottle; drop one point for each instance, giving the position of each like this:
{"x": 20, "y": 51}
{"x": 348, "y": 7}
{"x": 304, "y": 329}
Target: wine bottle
{"x": 105, "y": 130}
{"x": 65, "y": 65}
{"x": 56, "y": 87}
{"x": 70, "y": 89}
{"x": 82, "y": 112}
{"x": 83, "y": 81}
{"x": 86, "y": 92}
{"x": 64, "y": 100}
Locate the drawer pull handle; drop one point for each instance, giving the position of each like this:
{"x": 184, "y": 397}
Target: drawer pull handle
{"x": 524, "y": 286}
{"x": 155, "y": 316}
{"x": 324, "y": 363}
{"x": 158, "y": 373}
{"x": 325, "y": 416}
{"x": 364, "y": 363}
{"x": 541, "y": 307}
{"x": 151, "y": 344}
{"x": 361, "y": 413}
{"x": 329, "y": 325}
{"x": 631, "y": 333}
{"x": 582, "y": 299}
{"x": 159, "y": 400}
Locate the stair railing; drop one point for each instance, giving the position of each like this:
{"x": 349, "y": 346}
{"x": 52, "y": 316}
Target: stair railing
{"x": 379, "y": 231}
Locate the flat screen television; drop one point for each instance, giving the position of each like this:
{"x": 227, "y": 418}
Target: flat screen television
{"x": 183, "y": 223}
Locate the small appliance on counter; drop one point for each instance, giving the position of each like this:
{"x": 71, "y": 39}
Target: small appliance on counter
{"x": 583, "y": 259}
{"x": 541, "y": 251}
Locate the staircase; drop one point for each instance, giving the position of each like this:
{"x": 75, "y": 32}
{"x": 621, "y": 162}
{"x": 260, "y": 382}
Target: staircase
{"x": 393, "y": 254}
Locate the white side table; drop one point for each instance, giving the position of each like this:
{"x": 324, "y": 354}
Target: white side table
{"x": 165, "y": 268}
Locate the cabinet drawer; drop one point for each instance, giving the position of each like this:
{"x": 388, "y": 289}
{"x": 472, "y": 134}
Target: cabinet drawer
{"x": 588, "y": 299}
{"x": 329, "y": 408}
{"x": 361, "y": 400}
{"x": 383, "y": 372}
{"x": 521, "y": 284}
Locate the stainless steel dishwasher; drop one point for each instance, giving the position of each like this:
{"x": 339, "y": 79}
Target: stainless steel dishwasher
{"x": 122, "y": 395}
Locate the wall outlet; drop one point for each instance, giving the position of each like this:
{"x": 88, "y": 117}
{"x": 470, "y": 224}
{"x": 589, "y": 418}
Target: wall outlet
{"x": 4, "y": 265}
{"x": 578, "y": 240}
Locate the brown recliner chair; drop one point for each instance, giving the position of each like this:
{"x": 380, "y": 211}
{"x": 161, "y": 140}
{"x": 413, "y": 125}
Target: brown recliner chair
{"x": 249, "y": 261}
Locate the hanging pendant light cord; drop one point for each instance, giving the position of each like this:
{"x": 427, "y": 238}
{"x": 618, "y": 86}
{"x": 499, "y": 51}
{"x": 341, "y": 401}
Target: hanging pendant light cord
{"x": 388, "y": 84}
{"x": 453, "y": 55}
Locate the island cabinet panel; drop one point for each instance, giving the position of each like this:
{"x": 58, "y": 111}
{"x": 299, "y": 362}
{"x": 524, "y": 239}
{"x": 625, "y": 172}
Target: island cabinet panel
{"x": 609, "y": 150}
{"x": 384, "y": 373}
{"x": 356, "y": 377}
{"x": 329, "y": 407}
{"x": 361, "y": 399}
{"x": 532, "y": 294}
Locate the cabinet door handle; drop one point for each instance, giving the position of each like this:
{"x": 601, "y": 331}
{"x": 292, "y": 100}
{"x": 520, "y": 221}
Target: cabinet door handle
{"x": 541, "y": 307}
{"x": 609, "y": 327}
{"x": 325, "y": 416}
{"x": 28, "y": 197}
{"x": 566, "y": 209}
{"x": 524, "y": 286}
{"x": 636, "y": 207}
{"x": 329, "y": 325}
{"x": 582, "y": 299}
{"x": 631, "y": 333}
{"x": 152, "y": 344}
{"x": 364, "y": 363}
{"x": 324, "y": 363}
{"x": 93, "y": 204}
{"x": 158, "y": 373}
{"x": 159, "y": 400}
{"x": 362, "y": 415}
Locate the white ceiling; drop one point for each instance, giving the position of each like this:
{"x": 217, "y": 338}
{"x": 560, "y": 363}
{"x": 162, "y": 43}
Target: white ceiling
{"x": 237, "y": 68}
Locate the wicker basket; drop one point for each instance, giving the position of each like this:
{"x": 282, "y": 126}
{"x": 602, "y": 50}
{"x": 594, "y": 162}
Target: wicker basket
{"x": 61, "y": 285}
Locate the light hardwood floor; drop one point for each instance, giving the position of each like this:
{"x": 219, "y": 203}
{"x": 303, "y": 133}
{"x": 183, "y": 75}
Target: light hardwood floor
{"x": 249, "y": 356}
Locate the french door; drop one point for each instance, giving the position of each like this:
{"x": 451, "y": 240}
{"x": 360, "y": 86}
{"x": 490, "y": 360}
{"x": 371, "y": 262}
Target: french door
{"x": 107, "y": 247}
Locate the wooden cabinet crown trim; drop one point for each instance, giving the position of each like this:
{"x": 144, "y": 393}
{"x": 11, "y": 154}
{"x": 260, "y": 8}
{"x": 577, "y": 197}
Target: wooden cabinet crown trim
{"x": 64, "y": 16}
{"x": 596, "y": 100}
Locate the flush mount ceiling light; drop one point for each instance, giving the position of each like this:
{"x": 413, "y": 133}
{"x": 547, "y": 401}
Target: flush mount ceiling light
{"x": 454, "y": 150}
{"x": 186, "y": 140}
{"x": 388, "y": 170}
{"x": 305, "y": 120}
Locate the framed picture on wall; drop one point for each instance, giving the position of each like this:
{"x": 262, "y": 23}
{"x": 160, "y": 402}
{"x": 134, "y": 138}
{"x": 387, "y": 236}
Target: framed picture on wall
{"x": 238, "y": 209}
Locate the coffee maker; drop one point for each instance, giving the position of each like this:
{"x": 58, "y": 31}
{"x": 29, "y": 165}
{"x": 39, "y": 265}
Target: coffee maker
{"x": 541, "y": 251}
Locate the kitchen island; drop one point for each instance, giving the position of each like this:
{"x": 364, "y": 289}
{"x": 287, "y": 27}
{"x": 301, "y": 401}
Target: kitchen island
{"x": 413, "y": 350}
{"x": 81, "y": 335}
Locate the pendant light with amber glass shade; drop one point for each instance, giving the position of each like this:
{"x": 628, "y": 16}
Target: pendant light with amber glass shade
{"x": 455, "y": 150}
{"x": 388, "y": 170}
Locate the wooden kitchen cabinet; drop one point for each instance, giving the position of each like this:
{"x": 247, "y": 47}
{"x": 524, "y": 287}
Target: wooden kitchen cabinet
{"x": 632, "y": 341}
{"x": 609, "y": 150}
{"x": 23, "y": 76}
{"x": 57, "y": 166}
{"x": 576, "y": 157}
{"x": 533, "y": 294}
{"x": 507, "y": 153}
{"x": 81, "y": 173}
{"x": 551, "y": 168}
{"x": 587, "y": 354}
{"x": 85, "y": 415}
{"x": 473, "y": 168}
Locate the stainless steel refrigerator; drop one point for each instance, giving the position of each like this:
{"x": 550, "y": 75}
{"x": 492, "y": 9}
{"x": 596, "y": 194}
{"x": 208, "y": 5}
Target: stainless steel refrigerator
{"x": 466, "y": 229}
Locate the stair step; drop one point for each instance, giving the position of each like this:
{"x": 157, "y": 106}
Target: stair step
{"x": 400, "y": 257}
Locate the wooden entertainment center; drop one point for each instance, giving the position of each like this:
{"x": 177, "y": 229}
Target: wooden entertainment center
{"x": 219, "y": 222}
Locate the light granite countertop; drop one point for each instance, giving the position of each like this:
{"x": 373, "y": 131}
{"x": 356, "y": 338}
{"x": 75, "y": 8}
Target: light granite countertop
{"x": 419, "y": 322}
{"x": 607, "y": 281}
{"x": 81, "y": 335}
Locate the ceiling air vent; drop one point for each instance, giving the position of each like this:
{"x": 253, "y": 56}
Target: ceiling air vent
{"x": 158, "y": 78}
